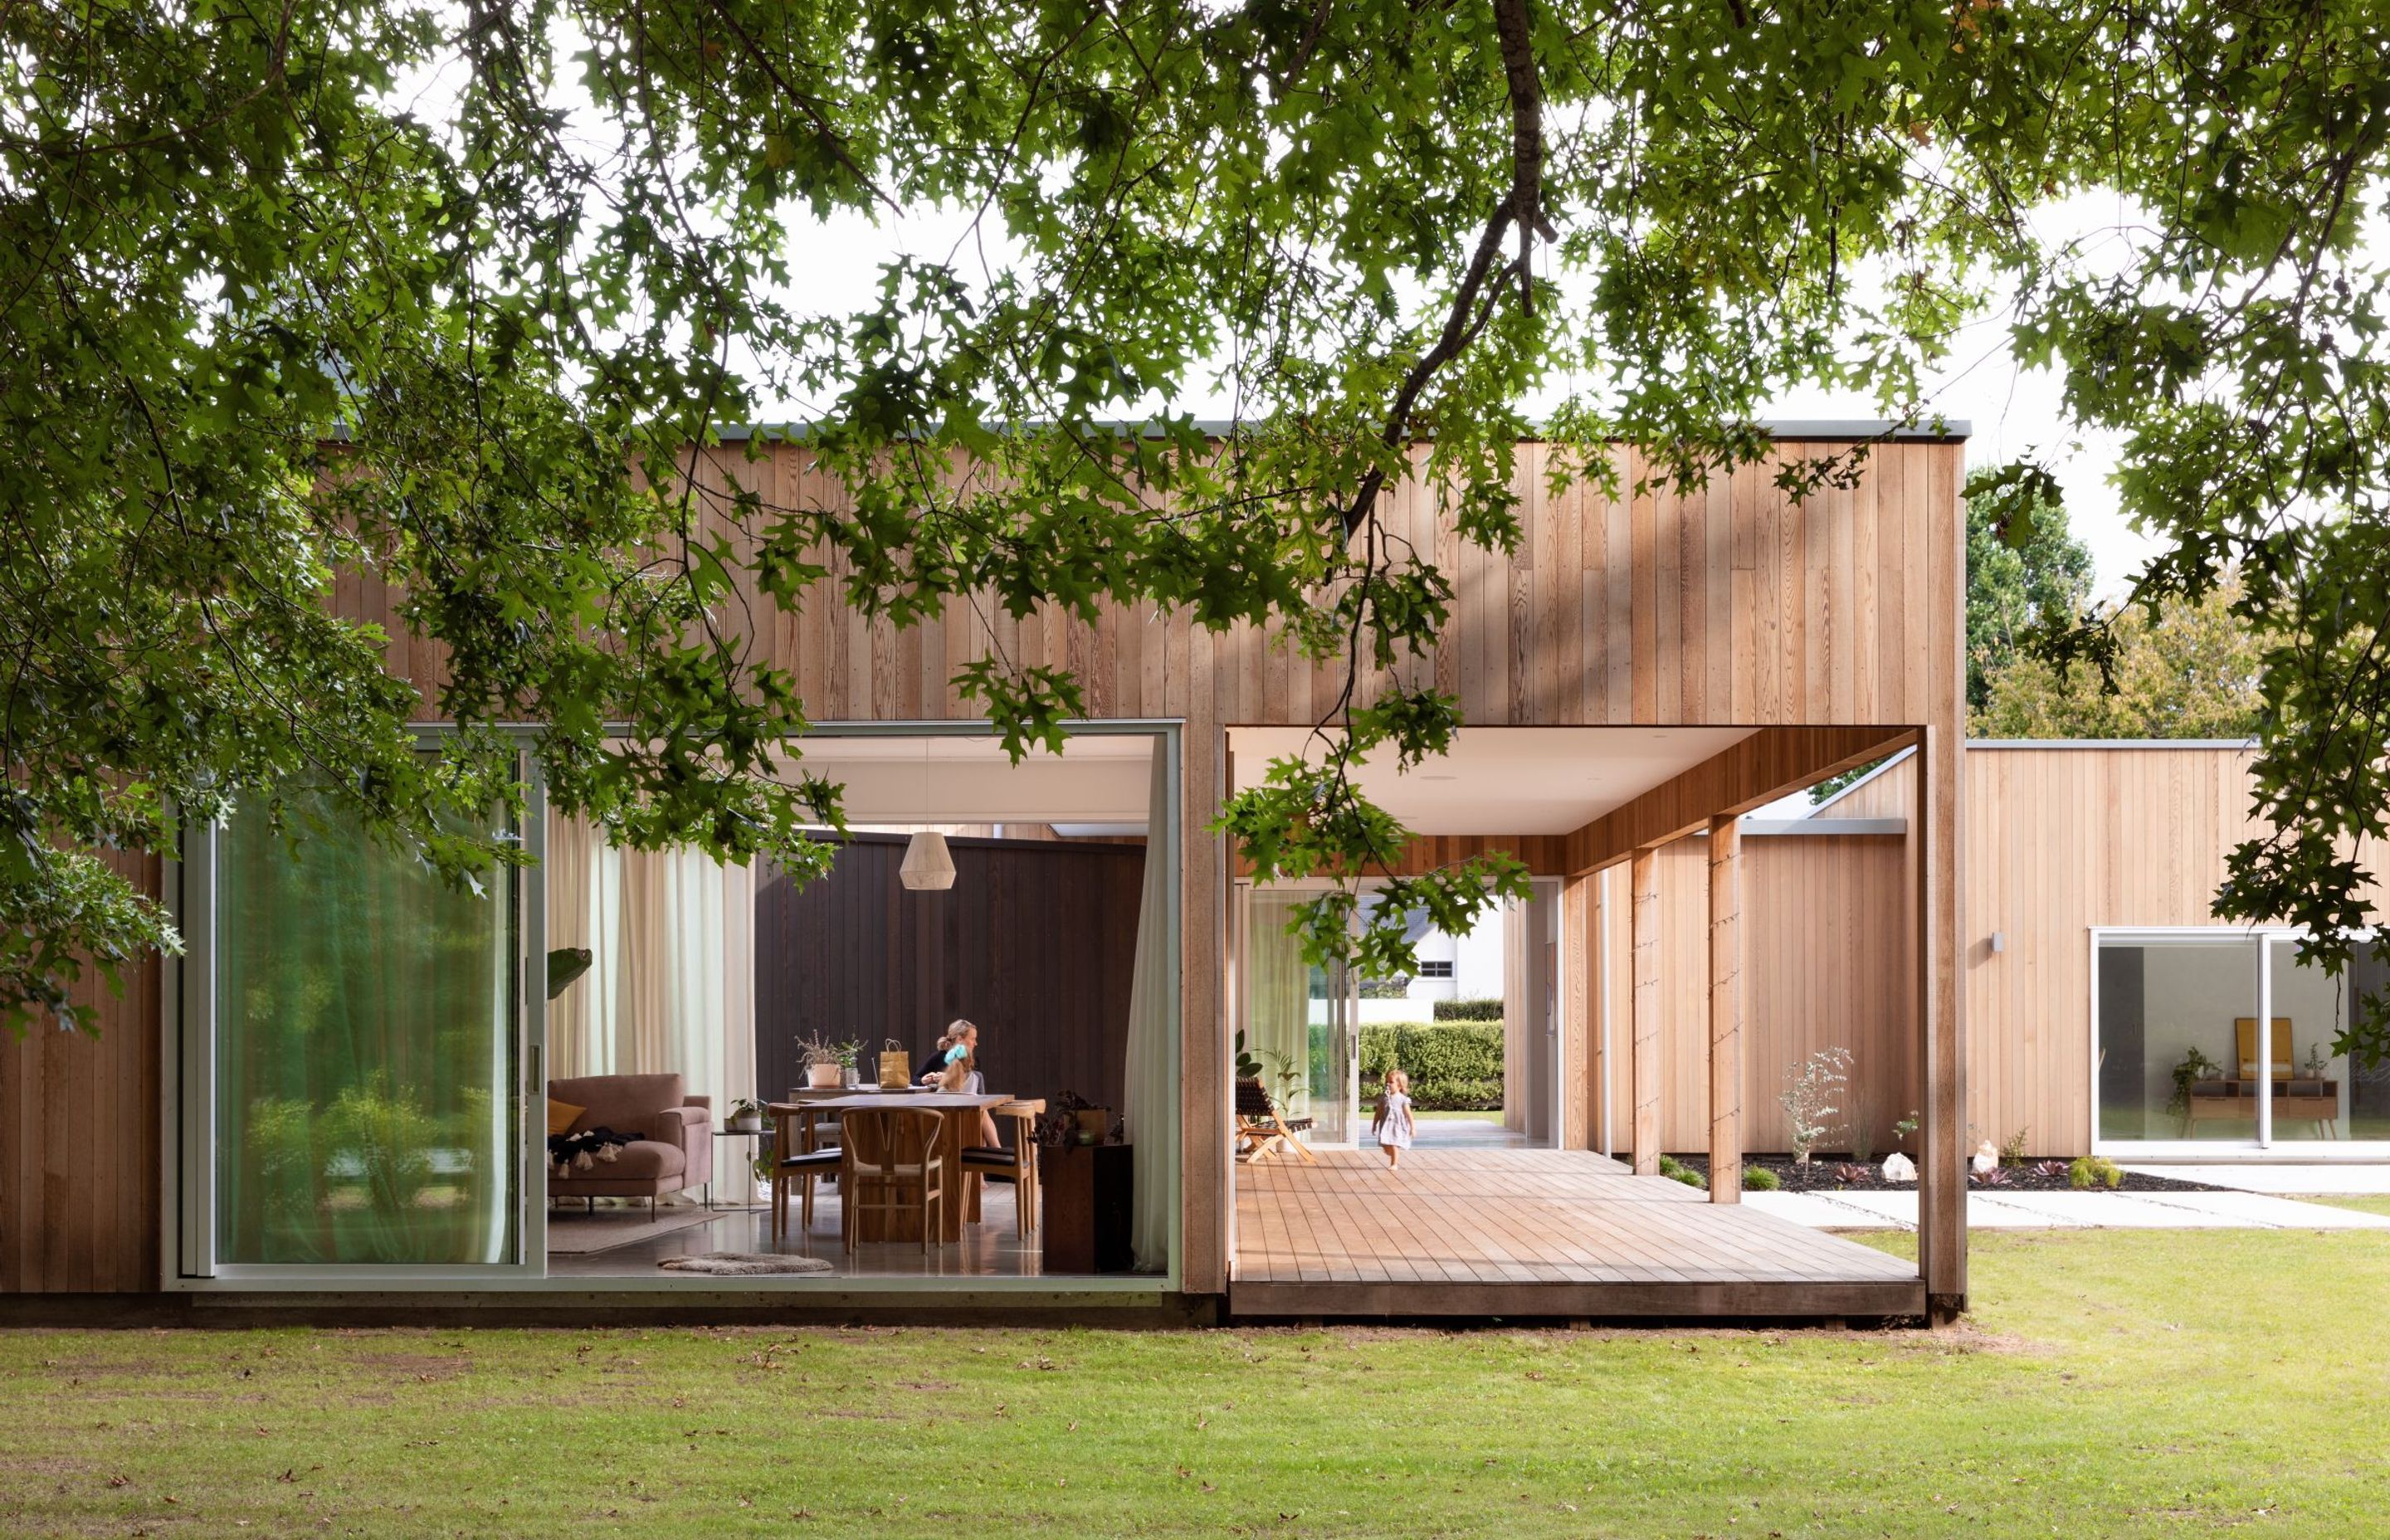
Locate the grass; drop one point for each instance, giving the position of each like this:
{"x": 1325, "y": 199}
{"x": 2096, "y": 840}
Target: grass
{"x": 2367, "y": 1202}
{"x": 2110, "y": 1383}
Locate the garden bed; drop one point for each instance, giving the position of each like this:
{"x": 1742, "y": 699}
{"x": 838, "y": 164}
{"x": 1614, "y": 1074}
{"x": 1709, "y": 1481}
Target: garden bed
{"x": 1838, "y": 1174}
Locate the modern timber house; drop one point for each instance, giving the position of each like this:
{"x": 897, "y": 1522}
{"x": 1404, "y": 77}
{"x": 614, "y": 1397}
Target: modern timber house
{"x": 1639, "y": 678}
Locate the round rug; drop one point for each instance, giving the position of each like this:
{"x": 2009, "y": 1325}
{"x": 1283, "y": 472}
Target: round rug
{"x": 739, "y": 1264}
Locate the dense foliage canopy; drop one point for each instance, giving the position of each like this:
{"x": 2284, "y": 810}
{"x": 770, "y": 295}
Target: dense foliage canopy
{"x": 410, "y": 289}
{"x": 2018, "y": 591}
{"x": 2189, "y": 669}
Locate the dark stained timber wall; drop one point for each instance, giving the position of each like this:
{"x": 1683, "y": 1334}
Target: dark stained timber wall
{"x": 1035, "y": 942}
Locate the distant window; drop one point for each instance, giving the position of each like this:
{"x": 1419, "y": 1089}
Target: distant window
{"x": 1436, "y": 969}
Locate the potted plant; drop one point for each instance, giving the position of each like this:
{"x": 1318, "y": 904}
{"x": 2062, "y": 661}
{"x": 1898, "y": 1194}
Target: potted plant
{"x": 2195, "y": 1067}
{"x": 850, "y": 1056}
{"x": 746, "y": 1116}
{"x": 823, "y": 1070}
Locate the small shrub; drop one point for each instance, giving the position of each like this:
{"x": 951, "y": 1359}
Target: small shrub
{"x": 1813, "y": 1095}
{"x": 1852, "y": 1176}
{"x": 1678, "y": 1171}
{"x": 1760, "y": 1179}
{"x": 1863, "y": 1138}
{"x": 1996, "y": 1177}
{"x": 2012, "y": 1148}
{"x": 2094, "y": 1171}
{"x": 2051, "y": 1168}
{"x": 1469, "y": 1010}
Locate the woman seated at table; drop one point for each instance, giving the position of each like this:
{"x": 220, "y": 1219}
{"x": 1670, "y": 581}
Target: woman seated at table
{"x": 949, "y": 1048}
{"x": 960, "y": 1073}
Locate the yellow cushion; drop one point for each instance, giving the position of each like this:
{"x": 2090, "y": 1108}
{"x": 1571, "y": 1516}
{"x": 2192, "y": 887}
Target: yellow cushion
{"x": 561, "y": 1116}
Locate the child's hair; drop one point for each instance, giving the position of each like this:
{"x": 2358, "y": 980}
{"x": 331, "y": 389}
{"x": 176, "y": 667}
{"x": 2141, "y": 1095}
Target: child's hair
{"x": 1397, "y": 1080}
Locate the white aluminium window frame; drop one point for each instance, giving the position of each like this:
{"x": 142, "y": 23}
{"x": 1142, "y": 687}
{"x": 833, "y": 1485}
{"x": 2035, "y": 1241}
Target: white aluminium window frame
{"x": 2262, "y": 1146}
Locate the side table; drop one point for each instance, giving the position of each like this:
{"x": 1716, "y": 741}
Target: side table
{"x": 763, "y": 1137}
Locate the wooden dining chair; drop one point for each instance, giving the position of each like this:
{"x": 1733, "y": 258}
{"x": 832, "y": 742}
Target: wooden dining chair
{"x": 805, "y": 1166}
{"x": 892, "y": 1166}
{"x": 807, "y": 1139}
{"x": 1017, "y": 1165}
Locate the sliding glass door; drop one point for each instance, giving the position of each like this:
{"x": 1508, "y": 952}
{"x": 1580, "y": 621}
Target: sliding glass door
{"x": 356, "y": 1060}
{"x": 2212, "y": 1041}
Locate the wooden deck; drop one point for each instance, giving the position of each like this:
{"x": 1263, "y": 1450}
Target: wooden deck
{"x": 1546, "y": 1232}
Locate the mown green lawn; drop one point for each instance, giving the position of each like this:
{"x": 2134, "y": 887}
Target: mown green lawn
{"x": 2370, "y": 1202}
{"x": 2110, "y": 1383}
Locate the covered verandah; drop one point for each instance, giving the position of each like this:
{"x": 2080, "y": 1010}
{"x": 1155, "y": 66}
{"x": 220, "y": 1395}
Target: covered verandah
{"x": 1655, "y": 1051}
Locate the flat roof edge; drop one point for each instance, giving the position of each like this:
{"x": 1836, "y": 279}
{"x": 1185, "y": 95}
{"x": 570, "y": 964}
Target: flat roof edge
{"x": 1773, "y": 828}
{"x": 1783, "y": 430}
{"x": 1975, "y": 743}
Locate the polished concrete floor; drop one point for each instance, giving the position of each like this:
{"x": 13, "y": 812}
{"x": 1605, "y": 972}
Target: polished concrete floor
{"x": 993, "y": 1248}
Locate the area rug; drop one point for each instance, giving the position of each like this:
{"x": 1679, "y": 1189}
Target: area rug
{"x": 580, "y": 1234}
{"x": 740, "y": 1265}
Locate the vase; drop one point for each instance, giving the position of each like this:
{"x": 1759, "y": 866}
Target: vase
{"x": 825, "y": 1077}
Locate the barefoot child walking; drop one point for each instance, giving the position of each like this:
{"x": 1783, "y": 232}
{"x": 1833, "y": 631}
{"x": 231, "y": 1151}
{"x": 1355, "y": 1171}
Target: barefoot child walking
{"x": 1392, "y": 1126}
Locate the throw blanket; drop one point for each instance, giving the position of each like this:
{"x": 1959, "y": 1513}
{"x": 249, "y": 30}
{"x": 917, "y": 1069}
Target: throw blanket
{"x": 570, "y": 1152}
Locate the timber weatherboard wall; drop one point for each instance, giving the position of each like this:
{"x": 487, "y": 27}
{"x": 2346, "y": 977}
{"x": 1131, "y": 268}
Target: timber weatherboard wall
{"x": 1826, "y": 955}
{"x": 2063, "y": 838}
{"x": 1727, "y": 605}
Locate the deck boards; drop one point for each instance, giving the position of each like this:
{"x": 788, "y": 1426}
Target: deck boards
{"x": 1467, "y": 1231}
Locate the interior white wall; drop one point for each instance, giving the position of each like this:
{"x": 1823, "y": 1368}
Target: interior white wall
{"x": 2190, "y": 993}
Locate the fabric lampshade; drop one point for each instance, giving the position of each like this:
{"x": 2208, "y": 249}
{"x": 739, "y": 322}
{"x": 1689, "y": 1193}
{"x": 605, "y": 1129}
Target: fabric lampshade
{"x": 928, "y": 865}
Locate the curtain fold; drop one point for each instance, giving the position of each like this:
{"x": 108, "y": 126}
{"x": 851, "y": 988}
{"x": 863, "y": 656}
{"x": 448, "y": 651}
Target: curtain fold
{"x": 1277, "y": 998}
{"x": 670, "y": 988}
{"x": 365, "y": 1044}
{"x": 1152, "y": 1114}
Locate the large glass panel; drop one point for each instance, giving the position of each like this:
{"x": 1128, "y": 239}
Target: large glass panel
{"x": 2369, "y": 1087}
{"x": 2310, "y": 1082}
{"x": 365, "y": 1055}
{"x": 2167, "y": 1014}
{"x": 1334, "y": 1056}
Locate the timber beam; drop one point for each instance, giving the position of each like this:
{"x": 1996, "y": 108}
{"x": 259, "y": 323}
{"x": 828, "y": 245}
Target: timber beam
{"x": 1771, "y": 763}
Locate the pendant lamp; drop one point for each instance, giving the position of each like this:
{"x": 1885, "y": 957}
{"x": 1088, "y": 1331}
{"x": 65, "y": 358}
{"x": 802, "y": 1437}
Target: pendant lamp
{"x": 928, "y": 866}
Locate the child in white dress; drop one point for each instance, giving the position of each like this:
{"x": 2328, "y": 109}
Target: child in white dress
{"x": 1392, "y": 1124}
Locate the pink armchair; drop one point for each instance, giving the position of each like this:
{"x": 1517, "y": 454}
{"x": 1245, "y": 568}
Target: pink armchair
{"x": 673, "y": 1146}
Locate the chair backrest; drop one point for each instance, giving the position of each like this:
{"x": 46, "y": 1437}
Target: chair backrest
{"x": 881, "y": 1140}
{"x": 1254, "y": 1100}
{"x": 2244, "y": 1032}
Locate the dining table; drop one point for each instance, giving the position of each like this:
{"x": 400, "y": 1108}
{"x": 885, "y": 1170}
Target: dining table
{"x": 961, "y": 1111}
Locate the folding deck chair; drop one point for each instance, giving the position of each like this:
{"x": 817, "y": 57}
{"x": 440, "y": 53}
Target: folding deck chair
{"x": 1262, "y": 1127}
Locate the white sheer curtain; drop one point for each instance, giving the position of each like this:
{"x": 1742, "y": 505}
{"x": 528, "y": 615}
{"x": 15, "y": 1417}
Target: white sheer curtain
{"x": 670, "y": 986}
{"x": 1277, "y": 996}
{"x": 1152, "y": 1061}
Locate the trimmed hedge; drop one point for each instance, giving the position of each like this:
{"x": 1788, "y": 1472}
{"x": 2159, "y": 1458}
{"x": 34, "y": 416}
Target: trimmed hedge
{"x": 1453, "y": 1066}
{"x": 1469, "y": 1010}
